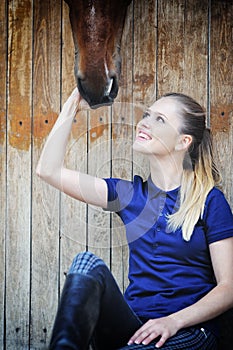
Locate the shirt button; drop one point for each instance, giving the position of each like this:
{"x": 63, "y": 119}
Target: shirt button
{"x": 155, "y": 245}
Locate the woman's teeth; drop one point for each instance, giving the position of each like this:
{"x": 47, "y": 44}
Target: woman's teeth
{"x": 144, "y": 136}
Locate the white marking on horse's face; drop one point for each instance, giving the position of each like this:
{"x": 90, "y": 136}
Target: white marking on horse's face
{"x": 110, "y": 81}
{"x": 92, "y": 11}
{"x": 106, "y": 68}
{"x": 92, "y": 22}
{"x": 109, "y": 87}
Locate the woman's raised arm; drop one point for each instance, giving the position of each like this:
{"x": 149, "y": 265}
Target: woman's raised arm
{"x": 50, "y": 167}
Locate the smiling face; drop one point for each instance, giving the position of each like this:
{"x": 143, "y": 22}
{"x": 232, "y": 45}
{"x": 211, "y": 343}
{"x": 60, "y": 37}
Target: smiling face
{"x": 158, "y": 132}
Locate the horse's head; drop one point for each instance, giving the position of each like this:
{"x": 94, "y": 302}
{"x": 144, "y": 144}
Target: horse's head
{"x": 97, "y": 29}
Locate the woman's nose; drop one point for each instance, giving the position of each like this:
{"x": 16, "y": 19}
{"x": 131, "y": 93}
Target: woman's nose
{"x": 145, "y": 123}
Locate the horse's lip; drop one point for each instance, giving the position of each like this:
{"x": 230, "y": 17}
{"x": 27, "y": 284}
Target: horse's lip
{"x": 106, "y": 101}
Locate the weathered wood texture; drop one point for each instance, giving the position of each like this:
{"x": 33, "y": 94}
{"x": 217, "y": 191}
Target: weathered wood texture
{"x": 3, "y": 78}
{"x": 19, "y": 175}
{"x": 45, "y": 200}
{"x": 179, "y": 45}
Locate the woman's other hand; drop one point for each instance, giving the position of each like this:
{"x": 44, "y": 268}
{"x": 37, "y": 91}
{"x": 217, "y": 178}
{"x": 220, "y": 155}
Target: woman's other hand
{"x": 160, "y": 328}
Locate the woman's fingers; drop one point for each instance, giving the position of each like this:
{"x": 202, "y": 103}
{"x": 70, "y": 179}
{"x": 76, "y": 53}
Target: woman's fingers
{"x": 161, "y": 341}
{"x": 158, "y": 329}
{"x": 83, "y": 105}
{"x": 74, "y": 104}
{"x": 144, "y": 334}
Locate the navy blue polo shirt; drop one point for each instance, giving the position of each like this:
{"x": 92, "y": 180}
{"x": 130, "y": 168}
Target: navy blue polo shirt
{"x": 166, "y": 273}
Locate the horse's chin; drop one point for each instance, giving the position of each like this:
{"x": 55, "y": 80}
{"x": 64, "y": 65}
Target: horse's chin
{"x": 107, "y": 101}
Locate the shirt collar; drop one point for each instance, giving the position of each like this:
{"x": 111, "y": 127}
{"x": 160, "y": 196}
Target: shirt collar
{"x": 154, "y": 191}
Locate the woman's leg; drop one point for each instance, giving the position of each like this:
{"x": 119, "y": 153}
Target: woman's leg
{"x": 92, "y": 304}
{"x": 186, "y": 339}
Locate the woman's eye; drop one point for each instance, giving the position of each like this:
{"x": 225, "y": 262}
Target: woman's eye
{"x": 160, "y": 119}
{"x": 157, "y": 118}
{"x": 145, "y": 115}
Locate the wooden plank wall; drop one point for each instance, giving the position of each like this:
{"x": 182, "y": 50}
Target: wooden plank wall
{"x": 178, "y": 45}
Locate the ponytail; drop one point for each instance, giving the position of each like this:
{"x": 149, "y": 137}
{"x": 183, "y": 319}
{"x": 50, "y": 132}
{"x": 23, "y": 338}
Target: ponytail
{"x": 206, "y": 158}
{"x": 200, "y": 173}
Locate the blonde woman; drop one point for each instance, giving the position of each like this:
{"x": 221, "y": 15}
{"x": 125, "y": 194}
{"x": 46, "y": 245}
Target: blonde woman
{"x": 179, "y": 228}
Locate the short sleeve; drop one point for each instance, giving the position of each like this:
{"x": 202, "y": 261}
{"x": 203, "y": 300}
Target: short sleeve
{"x": 217, "y": 216}
{"x": 120, "y": 194}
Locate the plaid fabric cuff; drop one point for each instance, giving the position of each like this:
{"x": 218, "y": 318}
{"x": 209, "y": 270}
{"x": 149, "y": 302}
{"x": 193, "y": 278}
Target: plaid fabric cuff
{"x": 84, "y": 263}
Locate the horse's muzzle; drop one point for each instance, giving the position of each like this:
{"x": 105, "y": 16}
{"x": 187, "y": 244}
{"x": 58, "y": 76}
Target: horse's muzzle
{"x": 102, "y": 95}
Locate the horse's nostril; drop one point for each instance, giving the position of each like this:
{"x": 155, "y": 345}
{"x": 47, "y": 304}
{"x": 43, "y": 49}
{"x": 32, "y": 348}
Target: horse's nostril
{"x": 80, "y": 75}
{"x": 114, "y": 88}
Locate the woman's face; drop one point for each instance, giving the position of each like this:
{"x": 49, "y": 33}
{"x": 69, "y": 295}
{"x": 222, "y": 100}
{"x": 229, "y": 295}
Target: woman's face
{"x": 158, "y": 132}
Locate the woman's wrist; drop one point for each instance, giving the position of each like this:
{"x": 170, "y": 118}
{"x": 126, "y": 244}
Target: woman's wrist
{"x": 177, "y": 320}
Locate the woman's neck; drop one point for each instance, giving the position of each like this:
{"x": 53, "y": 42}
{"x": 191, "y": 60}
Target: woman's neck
{"x": 166, "y": 173}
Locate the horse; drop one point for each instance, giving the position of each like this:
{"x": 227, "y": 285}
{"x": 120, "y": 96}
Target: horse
{"x": 97, "y": 27}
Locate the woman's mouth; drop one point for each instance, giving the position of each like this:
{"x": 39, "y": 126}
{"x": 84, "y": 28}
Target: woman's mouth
{"x": 143, "y": 136}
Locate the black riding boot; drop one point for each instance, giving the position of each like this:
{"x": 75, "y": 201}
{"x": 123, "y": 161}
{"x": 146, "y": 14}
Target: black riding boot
{"x": 77, "y": 314}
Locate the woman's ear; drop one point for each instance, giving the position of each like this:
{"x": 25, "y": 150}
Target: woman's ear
{"x": 184, "y": 142}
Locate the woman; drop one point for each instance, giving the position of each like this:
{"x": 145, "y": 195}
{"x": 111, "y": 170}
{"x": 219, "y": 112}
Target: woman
{"x": 179, "y": 229}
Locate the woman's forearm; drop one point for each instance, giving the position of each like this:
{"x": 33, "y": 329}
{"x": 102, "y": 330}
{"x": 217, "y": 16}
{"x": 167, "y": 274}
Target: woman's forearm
{"x": 52, "y": 157}
{"x": 50, "y": 167}
{"x": 217, "y": 301}
{"x": 213, "y": 304}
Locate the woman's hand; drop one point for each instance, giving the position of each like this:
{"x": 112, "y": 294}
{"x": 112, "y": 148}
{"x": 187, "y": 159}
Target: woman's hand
{"x": 77, "y": 98}
{"x": 161, "y": 328}
{"x": 75, "y": 103}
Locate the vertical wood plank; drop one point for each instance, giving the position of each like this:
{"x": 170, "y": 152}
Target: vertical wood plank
{"x": 122, "y": 146}
{"x": 45, "y": 200}
{"x": 144, "y": 51}
{"x": 18, "y": 175}
{"x": 221, "y": 78}
{"x": 144, "y": 69}
{"x": 195, "y": 37}
{"x": 3, "y": 197}
{"x": 192, "y": 74}
{"x": 73, "y": 212}
{"x": 170, "y": 46}
{"x": 183, "y": 48}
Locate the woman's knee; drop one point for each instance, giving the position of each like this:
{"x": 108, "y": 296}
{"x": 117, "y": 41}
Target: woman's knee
{"x": 85, "y": 262}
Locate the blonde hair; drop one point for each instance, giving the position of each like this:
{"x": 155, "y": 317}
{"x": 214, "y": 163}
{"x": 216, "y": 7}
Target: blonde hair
{"x": 200, "y": 173}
